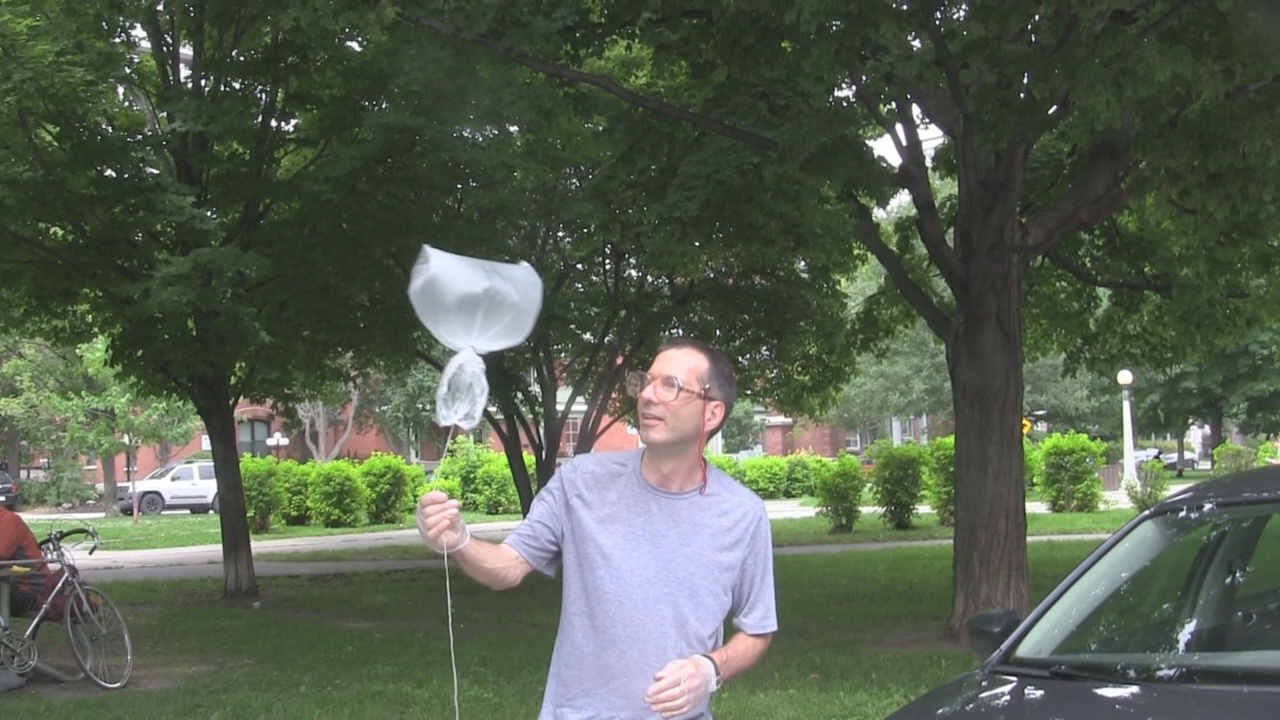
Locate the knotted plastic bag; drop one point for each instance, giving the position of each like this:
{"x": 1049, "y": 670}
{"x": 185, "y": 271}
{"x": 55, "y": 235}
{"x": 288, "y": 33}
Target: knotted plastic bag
{"x": 472, "y": 307}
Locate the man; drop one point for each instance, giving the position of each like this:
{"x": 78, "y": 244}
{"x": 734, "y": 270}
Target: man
{"x": 656, "y": 547}
{"x": 17, "y": 542}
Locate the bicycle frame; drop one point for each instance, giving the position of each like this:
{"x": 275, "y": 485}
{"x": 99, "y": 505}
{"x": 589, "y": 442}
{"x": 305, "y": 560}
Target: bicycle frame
{"x": 23, "y": 646}
{"x": 69, "y": 575}
{"x": 89, "y": 618}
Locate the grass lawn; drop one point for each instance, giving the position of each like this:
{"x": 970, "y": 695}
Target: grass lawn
{"x": 786, "y": 532}
{"x": 165, "y": 531}
{"x": 860, "y": 634}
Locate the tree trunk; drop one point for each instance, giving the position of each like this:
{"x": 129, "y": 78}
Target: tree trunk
{"x": 108, "y": 465}
{"x": 13, "y": 452}
{"x": 984, "y": 359}
{"x": 1181, "y": 454}
{"x": 1217, "y": 430}
{"x": 217, "y": 409}
{"x": 164, "y": 453}
{"x": 520, "y": 474}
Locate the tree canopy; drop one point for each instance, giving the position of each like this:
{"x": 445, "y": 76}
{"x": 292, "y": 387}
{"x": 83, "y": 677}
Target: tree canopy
{"x": 230, "y": 194}
{"x": 1060, "y": 122}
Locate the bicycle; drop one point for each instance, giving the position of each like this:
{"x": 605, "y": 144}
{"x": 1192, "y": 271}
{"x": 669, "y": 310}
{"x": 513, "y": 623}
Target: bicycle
{"x": 95, "y": 629}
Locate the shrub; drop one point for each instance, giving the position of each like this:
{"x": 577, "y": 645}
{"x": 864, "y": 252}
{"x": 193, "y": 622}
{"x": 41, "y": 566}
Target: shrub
{"x": 765, "y": 475}
{"x": 417, "y": 479}
{"x": 897, "y": 481}
{"x": 1230, "y": 457}
{"x": 1268, "y": 453}
{"x": 1031, "y": 462}
{"x": 263, "y": 498}
{"x": 63, "y": 484}
{"x": 462, "y": 462}
{"x": 494, "y": 489}
{"x": 729, "y": 465}
{"x": 1151, "y": 487}
{"x": 839, "y": 491}
{"x": 940, "y": 479}
{"x": 1068, "y": 478}
{"x": 387, "y": 478}
{"x": 294, "y": 482}
{"x": 448, "y": 486}
{"x": 821, "y": 468}
{"x": 800, "y": 474}
{"x": 336, "y": 497}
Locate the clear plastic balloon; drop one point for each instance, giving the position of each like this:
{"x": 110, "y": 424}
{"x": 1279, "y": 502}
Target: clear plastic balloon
{"x": 472, "y": 307}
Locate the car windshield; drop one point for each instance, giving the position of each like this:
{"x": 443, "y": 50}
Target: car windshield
{"x": 1192, "y": 595}
{"x": 159, "y": 472}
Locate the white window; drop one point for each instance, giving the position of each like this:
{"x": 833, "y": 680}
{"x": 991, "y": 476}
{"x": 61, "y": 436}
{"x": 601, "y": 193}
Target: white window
{"x": 569, "y": 438}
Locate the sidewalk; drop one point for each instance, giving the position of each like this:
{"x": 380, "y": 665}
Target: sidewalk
{"x": 206, "y": 560}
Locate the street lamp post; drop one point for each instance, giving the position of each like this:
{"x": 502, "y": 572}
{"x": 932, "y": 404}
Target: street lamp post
{"x": 277, "y": 442}
{"x": 1125, "y": 378}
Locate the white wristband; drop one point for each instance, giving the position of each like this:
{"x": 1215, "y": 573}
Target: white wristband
{"x": 466, "y": 538}
{"x": 709, "y": 671}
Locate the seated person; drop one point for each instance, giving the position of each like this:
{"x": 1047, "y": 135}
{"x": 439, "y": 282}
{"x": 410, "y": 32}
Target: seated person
{"x": 17, "y": 542}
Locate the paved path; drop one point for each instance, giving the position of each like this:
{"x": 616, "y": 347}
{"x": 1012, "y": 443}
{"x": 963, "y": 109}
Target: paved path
{"x": 206, "y": 560}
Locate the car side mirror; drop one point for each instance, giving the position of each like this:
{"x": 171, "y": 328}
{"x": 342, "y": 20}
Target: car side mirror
{"x": 987, "y": 630}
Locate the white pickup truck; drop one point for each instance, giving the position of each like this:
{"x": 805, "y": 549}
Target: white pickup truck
{"x": 188, "y": 485}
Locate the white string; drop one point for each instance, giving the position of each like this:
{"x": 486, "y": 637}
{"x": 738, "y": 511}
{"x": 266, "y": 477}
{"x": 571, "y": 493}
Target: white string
{"x": 448, "y": 594}
{"x": 453, "y": 658}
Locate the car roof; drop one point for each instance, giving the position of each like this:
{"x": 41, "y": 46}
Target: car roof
{"x": 1255, "y": 485}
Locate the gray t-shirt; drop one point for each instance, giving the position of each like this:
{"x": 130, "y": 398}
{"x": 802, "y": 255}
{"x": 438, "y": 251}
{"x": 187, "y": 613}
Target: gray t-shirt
{"x": 649, "y": 577}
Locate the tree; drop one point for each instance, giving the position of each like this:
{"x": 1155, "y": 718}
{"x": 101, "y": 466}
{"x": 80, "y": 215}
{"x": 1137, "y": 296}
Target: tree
{"x": 402, "y": 404}
{"x": 193, "y": 178}
{"x": 742, "y": 431}
{"x": 909, "y": 378}
{"x": 1239, "y": 384}
{"x": 321, "y": 417}
{"x": 626, "y": 221}
{"x": 70, "y": 402}
{"x": 1079, "y": 401}
{"x": 1053, "y": 117}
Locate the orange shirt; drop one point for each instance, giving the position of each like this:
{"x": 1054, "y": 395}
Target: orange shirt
{"x": 17, "y": 542}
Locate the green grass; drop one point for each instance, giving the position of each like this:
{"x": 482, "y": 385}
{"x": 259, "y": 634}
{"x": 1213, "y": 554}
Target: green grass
{"x": 166, "y": 531}
{"x": 786, "y": 532}
{"x": 1191, "y": 476}
{"x": 163, "y": 531}
{"x": 860, "y": 634}
{"x": 870, "y": 528}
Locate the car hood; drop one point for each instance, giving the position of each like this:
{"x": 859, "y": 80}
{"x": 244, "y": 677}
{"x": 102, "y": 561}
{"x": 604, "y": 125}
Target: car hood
{"x": 982, "y": 696}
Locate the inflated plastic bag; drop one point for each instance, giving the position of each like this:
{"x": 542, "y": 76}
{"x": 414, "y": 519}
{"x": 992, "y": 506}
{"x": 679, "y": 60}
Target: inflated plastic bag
{"x": 472, "y": 307}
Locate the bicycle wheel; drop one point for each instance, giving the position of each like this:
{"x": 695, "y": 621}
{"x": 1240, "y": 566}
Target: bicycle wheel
{"x": 99, "y": 639}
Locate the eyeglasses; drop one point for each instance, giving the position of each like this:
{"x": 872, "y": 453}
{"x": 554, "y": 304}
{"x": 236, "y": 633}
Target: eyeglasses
{"x": 666, "y": 388}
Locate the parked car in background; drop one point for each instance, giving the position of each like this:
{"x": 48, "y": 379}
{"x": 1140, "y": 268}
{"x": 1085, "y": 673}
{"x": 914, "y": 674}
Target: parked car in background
{"x": 1143, "y": 455}
{"x": 188, "y": 485}
{"x": 1189, "y": 461}
{"x": 8, "y": 491}
{"x": 1176, "y": 616}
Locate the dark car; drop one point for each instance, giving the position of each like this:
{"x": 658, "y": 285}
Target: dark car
{"x": 8, "y": 491}
{"x": 1189, "y": 461}
{"x": 1176, "y": 616}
